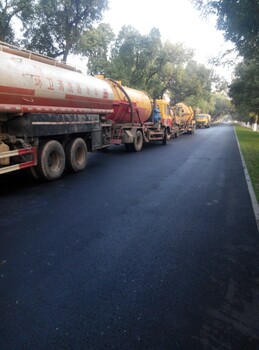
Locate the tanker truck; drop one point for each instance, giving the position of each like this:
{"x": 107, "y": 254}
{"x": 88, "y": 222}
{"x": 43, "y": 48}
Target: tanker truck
{"x": 184, "y": 118}
{"x": 52, "y": 115}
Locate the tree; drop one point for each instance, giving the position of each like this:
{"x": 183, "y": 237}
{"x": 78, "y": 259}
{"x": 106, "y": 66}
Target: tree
{"x": 222, "y": 105}
{"x": 145, "y": 63}
{"x": 169, "y": 69}
{"x": 195, "y": 82}
{"x": 244, "y": 88}
{"x": 95, "y": 43}
{"x": 133, "y": 56}
{"x": 239, "y": 21}
{"x": 54, "y": 27}
{"x": 10, "y": 9}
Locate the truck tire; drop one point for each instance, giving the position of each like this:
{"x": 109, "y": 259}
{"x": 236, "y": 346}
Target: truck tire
{"x": 76, "y": 155}
{"x": 138, "y": 141}
{"x": 51, "y": 160}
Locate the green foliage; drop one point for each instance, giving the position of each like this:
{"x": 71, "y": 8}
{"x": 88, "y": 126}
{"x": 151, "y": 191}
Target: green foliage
{"x": 134, "y": 57}
{"x": 144, "y": 62}
{"x": 249, "y": 143}
{"x": 95, "y": 43}
{"x": 222, "y": 105}
{"x": 195, "y": 83}
{"x": 10, "y": 9}
{"x": 201, "y": 104}
{"x": 59, "y": 27}
{"x": 54, "y": 27}
{"x": 239, "y": 21}
{"x": 244, "y": 89}
{"x": 170, "y": 69}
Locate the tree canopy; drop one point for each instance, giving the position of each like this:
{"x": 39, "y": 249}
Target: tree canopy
{"x": 239, "y": 22}
{"x": 54, "y": 27}
{"x": 9, "y": 10}
{"x": 59, "y": 27}
{"x": 50, "y": 27}
{"x": 245, "y": 87}
{"x": 145, "y": 62}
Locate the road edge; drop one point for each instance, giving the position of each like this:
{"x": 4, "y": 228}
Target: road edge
{"x": 249, "y": 184}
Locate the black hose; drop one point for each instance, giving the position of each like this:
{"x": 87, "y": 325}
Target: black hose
{"x": 127, "y": 96}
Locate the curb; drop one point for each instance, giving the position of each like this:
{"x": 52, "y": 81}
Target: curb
{"x": 249, "y": 185}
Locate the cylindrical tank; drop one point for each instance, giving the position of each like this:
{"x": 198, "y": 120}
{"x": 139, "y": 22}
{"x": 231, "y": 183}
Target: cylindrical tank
{"x": 129, "y": 105}
{"x": 183, "y": 113}
{"x": 32, "y": 83}
{"x": 35, "y": 84}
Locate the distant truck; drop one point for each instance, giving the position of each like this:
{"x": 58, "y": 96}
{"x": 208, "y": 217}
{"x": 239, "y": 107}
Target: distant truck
{"x": 184, "y": 118}
{"x": 203, "y": 120}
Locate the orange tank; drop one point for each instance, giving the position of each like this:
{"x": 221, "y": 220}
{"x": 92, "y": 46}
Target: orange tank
{"x": 129, "y": 105}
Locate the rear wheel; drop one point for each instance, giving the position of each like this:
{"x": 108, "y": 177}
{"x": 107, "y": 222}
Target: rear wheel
{"x": 51, "y": 160}
{"x": 76, "y": 155}
{"x": 138, "y": 141}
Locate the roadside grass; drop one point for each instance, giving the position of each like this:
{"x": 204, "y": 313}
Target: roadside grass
{"x": 249, "y": 143}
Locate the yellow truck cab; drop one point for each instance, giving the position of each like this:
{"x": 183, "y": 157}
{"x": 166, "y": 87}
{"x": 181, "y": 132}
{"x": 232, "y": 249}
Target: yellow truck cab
{"x": 167, "y": 118}
{"x": 165, "y": 112}
{"x": 203, "y": 120}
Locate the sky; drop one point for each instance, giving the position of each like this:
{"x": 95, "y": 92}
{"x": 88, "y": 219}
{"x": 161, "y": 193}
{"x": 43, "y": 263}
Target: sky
{"x": 177, "y": 21}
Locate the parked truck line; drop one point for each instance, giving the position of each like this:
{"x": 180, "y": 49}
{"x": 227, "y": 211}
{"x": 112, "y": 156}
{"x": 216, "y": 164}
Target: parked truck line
{"x": 52, "y": 115}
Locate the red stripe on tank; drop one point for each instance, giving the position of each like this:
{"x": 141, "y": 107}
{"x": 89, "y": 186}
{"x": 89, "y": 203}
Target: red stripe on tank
{"x": 15, "y": 90}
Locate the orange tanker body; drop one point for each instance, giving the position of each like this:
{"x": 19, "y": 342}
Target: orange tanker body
{"x": 129, "y": 105}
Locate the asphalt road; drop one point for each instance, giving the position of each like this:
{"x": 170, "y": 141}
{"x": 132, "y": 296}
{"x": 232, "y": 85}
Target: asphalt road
{"x": 151, "y": 250}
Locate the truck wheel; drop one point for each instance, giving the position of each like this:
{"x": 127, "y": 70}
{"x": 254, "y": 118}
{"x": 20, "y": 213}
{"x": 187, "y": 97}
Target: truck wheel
{"x": 76, "y": 154}
{"x": 51, "y": 160}
{"x": 138, "y": 141}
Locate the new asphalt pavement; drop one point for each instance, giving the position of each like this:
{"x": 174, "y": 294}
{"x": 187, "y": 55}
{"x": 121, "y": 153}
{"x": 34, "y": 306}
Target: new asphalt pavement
{"x": 157, "y": 249}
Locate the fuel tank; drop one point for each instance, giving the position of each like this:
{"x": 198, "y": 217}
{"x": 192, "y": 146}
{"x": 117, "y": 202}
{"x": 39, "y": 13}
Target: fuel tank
{"x": 37, "y": 84}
